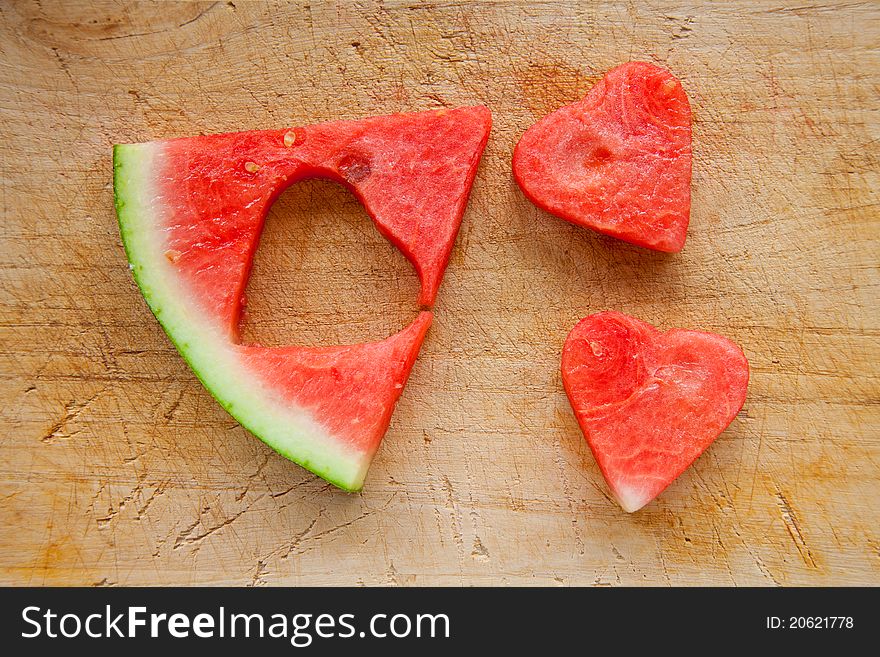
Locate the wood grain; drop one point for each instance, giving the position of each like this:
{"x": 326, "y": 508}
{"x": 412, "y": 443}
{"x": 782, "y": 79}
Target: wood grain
{"x": 117, "y": 467}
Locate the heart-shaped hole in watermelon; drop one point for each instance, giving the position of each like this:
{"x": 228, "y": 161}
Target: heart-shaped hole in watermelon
{"x": 323, "y": 275}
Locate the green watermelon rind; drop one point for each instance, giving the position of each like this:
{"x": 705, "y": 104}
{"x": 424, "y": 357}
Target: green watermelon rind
{"x": 212, "y": 357}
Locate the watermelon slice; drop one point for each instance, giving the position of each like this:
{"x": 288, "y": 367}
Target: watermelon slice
{"x": 648, "y": 402}
{"x": 618, "y": 161}
{"x": 191, "y": 211}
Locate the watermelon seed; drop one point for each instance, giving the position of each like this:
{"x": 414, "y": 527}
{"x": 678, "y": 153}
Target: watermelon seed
{"x": 172, "y": 255}
{"x": 289, "y": 138}
{"x": 251, "y": 167}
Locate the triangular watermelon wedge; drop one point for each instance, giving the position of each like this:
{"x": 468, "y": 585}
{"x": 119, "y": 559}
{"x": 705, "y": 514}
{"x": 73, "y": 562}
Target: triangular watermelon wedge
{"x": 191, "y": 212}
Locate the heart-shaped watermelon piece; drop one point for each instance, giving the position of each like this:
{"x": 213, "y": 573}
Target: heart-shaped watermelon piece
{"x": 649, "y": 402}
{"x": 618, "y": 161}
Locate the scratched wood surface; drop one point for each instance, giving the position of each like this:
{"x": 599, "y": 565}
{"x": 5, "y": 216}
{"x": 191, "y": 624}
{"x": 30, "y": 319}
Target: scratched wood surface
{"x": 117, "y": 467}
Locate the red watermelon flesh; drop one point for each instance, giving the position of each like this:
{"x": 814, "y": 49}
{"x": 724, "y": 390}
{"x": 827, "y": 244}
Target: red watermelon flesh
{"x": 191, "y": 211}
{"x": 352, "y": 389}
{"x": 649, "y": 402}
{"x": 618, "y": 161}
{"x": 412, "y": 172}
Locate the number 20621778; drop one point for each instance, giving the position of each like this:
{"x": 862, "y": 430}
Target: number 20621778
{"x": 810, "y": 623}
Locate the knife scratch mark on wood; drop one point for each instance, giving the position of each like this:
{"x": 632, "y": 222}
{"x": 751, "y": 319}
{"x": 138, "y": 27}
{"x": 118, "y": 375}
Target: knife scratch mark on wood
{"x": 791, "y": 523}
{"x": 72, "y": 411}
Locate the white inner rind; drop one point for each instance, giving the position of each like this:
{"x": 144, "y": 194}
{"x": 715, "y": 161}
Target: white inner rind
{"x": 630, "y": 499}
{"x": 289, "y": 429}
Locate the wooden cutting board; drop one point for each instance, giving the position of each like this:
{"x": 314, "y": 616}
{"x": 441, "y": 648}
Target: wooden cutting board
{"x": 117, "y": 467}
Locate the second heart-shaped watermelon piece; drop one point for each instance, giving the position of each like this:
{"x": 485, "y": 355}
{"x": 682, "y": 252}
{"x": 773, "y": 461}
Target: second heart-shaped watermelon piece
{"x": 649, "y": 402}
{"x": 618, "y": 161}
